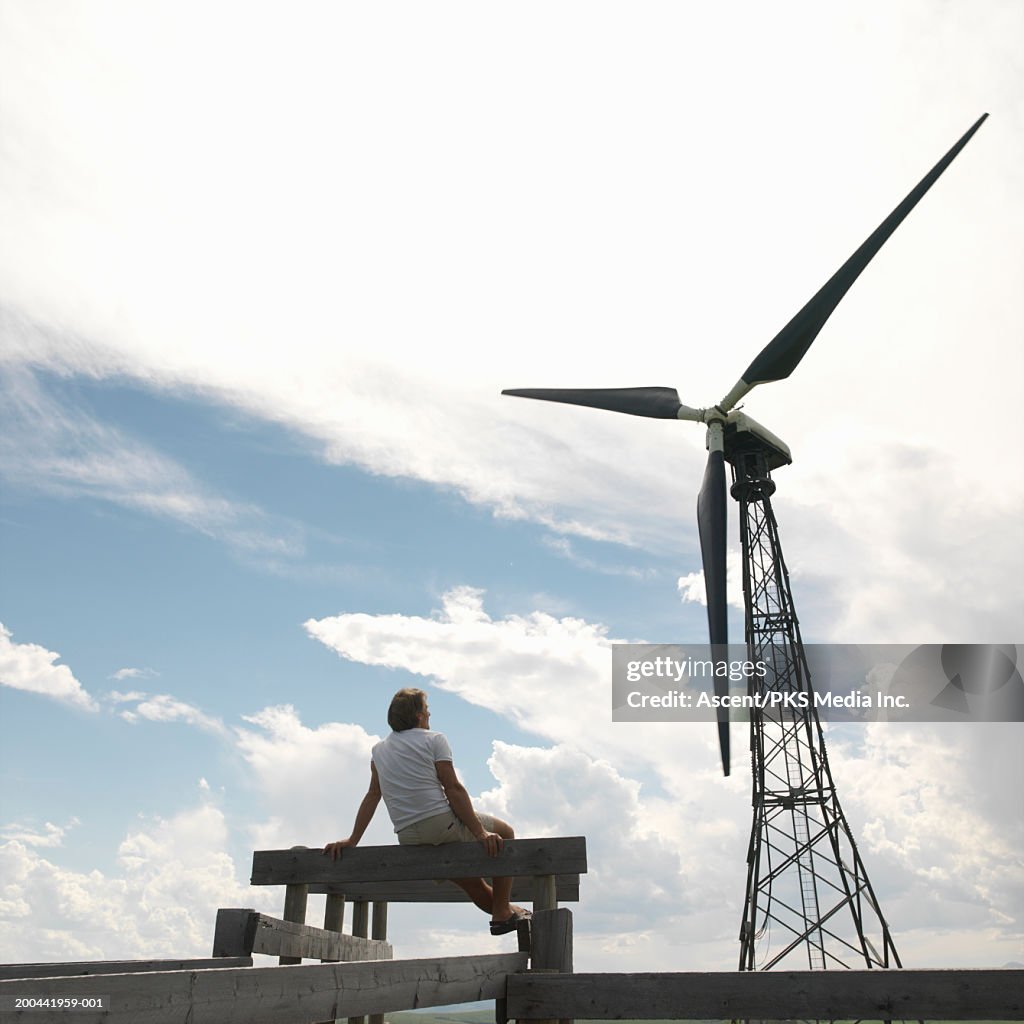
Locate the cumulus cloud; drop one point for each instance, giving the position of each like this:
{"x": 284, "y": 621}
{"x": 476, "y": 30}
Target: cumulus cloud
{"x": 31, "y": 667}
{"x": 691, "y": 586}
{"x": 172, "y": 875}
{"x": 552, "y": 660}
{"x": 562, "y": 791}
{"x": 940, "y": 815}
{"x": 537, "y": 669}
{"x": 311, "y": 780}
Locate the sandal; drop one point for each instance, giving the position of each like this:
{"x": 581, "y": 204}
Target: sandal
{"x": 510, "y": 923}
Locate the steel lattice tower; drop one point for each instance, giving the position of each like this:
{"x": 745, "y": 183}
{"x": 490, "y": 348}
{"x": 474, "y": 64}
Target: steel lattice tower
{"x": 808, "y": 895}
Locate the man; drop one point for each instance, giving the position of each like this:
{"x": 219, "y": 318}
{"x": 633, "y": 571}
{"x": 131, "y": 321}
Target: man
{"x": 413, "y": 770}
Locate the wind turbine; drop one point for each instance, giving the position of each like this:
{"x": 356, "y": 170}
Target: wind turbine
{"x": 799, "y": 828}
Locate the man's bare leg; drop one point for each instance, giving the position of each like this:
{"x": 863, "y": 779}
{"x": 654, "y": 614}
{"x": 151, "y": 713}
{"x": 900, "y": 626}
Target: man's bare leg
{"x": 501, "y": 909}
{"x": 492, "y": 900}
{"x": 478, "y": 891}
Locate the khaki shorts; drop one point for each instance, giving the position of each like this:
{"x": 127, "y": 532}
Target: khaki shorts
{"x": 441, "y": 828}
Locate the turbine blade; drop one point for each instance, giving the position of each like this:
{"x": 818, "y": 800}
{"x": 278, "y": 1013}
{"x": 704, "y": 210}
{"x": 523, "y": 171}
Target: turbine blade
{"x": 711, "y": 523}
{"x": 658, "y": 403}
{"x": 780, "y": 357}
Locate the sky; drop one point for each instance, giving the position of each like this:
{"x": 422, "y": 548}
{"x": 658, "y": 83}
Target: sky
{"x": 265, "y": 271}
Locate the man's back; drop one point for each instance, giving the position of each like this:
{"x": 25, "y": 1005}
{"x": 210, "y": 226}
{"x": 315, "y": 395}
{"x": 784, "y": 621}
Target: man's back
{"x": 405, "y": 763}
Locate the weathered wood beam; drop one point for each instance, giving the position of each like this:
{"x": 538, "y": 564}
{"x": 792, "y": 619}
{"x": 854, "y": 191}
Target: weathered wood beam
{"x": 546, "y": 897}
{"x": 301, "y": 994}
{"x": 551, "y": 945}
{"x": 775, "y": 995}
{"x": 334, "y": 914}
{"x": 234, "y": 933}
{"x": 295, "y": 901}
{"x": 360, "y": 927}
{"x": 378, "y": 930}
{"x": 85, "y": 968}
{"x": 242, "y": 932}
{"x": 551, "y": 941}
{"x": 403, "y": 863}
{"x": 567, "y": 887}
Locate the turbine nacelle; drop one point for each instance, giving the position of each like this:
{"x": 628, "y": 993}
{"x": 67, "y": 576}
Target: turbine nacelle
{"x": 739, "y": 424}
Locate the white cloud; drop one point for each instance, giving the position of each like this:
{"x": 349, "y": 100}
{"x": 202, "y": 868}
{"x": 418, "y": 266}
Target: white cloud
{"x": 129, "y": 697}
{"x": 691, "y": 587}
{"x": 162, "y": 901}
{"x": 134, "y": 673}
{"x": 165, "y": 708}
{"x": 311, "y": 780}
{"x": 51, "y": 835}
{"x": 552, "y": 660}
{"x": 942, "y": 819}
{"x": 561, "y": 791}
{"x": 31, "y": 668}
{"x": 539, "y": 671}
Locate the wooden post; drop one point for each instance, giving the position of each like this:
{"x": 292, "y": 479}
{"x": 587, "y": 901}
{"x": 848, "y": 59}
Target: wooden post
{"x": 551, "y": 944}
{"x": 379, "y": 931}
{"x": 334, "y": 912}
{"x": 234, "y": 933}
{"x": 552, "y": 941}
{"x": 545, "y": 895}
{"x": 380, "y": 920}
{"x": 361, "y": 918}
{"x": 334, "y": 916}
{"x": 360, "y": 927}
{"x": 295, "y": 897}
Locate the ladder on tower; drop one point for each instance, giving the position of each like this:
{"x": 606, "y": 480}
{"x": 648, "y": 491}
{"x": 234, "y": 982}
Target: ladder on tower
{"x": 805, "y": 864}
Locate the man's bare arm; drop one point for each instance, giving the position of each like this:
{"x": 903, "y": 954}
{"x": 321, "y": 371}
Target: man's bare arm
{"x": 458, "y": 799}
{"x": 363, "y": 817}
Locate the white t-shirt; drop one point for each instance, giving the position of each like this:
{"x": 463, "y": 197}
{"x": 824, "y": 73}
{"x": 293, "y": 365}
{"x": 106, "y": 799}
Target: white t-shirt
{"x": 408, "y": 779}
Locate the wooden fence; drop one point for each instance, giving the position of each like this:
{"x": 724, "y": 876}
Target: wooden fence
{"x": 359, "y": 977}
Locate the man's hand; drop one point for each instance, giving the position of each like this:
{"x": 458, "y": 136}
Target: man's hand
{"x": 333, "y": 850}
{"x": 492, "y": 843}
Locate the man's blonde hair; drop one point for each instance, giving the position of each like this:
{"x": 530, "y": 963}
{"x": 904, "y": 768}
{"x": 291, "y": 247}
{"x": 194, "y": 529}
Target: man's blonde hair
{"x": 406, "y": 706}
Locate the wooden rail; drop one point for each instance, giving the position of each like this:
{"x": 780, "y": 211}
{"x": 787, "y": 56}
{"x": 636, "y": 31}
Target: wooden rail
{"x": 83, "y": 968}
{"x": 990, "y": 995}
{"x": 271, "y": 995}
{"x": 244, "y": 932}
{"x": 524, "y": 890}
{"x": 534, "y": 857}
